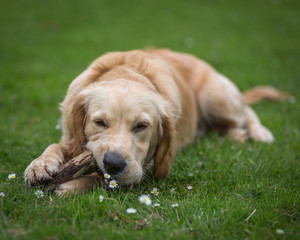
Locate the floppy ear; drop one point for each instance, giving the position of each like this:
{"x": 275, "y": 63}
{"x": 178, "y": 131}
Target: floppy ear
{"x": 164, "y": 153}
{"x": 74, "y": 123}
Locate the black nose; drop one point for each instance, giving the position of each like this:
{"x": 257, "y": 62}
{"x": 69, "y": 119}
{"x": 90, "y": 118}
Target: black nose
{"x": 114, "y": 163}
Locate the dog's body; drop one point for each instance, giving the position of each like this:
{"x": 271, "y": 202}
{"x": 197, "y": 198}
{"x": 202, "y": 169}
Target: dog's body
{"x": 132, "y": 107}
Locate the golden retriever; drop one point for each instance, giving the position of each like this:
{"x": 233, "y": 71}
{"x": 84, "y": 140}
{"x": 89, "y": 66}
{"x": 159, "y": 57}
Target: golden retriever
{"x": 137, "y": 108}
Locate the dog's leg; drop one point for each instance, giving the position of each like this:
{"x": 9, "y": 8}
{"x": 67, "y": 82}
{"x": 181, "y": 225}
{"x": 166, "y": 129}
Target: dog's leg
{"x": 238, "y": 134}
{"x": 81, "y": 184}
{"x": 256, "y": 129}
{"x": 221, "y": 107}
{"x": 46, "y": 166}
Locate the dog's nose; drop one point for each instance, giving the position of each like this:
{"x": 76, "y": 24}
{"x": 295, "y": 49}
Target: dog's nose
{"x": 114, "y": 163}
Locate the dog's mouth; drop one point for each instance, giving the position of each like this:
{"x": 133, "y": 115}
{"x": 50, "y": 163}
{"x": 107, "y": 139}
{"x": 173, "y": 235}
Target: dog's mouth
{"x": 113, "y": 167}
{"x": 121, "y": 179}
{"x": 115, "y": 182}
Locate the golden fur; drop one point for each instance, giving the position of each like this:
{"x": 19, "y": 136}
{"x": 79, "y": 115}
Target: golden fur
{"x": 173, "y": 95}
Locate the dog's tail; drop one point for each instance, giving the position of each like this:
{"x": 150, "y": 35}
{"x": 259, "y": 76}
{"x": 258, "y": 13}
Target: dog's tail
{"x": 259, "y": 93}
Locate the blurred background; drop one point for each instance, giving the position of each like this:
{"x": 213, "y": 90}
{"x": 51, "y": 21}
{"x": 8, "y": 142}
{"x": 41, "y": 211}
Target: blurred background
{"x": 44, "y": 45}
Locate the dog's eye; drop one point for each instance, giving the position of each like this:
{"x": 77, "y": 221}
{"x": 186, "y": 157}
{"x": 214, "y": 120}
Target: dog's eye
{"x": 140, "y": 127}
{"x": 100, "y": 123}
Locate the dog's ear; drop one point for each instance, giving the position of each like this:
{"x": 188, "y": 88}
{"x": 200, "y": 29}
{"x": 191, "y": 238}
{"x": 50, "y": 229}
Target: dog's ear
{"x": 74, "y": 118}
{"x": 164, "y": 153}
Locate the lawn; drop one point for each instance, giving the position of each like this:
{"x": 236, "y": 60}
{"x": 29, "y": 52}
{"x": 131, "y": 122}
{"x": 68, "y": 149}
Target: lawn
{"x": 240, "y": 191}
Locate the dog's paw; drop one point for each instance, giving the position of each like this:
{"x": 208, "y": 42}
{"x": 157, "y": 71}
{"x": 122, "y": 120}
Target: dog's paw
{"x": 41, "y": 170}
{"x": 262, "y": 134}
{"x": 64, "y": 189}
{"x": 238, "y": 134}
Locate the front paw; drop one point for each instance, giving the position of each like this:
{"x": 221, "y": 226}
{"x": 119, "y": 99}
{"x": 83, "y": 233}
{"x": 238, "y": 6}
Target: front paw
{"x": 42, "y": 170}
{"x": 64, "y": 189}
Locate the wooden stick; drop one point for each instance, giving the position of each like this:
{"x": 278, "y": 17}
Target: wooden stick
{"x": 83, "y": 164}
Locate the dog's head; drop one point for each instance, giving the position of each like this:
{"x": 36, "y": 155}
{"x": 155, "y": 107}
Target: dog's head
{"x": 125, "y": 125}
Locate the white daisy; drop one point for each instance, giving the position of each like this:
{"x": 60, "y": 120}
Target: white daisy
{"x": 39, "y": 194}
{"x": 172, "y": 190}
{"x": 189, "y": 187}
{"x": 292, "y": 99}
{"x": 113, "y": 184}
{"x": 131, "y": 211}
{"x": 2, "y": 194}
{"x": 175, "y": 205}
{"x": 12, "y": 176}
{"x": 106, "y": 175}
{"x": 101, "y": 198}
{"x": 279, "y": 231}
{"x": 145, "y": 199}
{"x": 156, "y": 204}
{"x": 154, "y": 191}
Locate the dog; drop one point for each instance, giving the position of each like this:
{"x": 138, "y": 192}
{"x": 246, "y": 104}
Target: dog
{"x": 136, "y": 109}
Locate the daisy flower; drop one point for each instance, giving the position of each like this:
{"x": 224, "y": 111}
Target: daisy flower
{"x": 106, "y": 175}
{"x": 113, "y": 184}
{"x": 156, "y": 204}
{"x": 189, "y": 187}
{"x": 292, "y": 100}
{"x": 172, "y": 190}
{"x": 279, "y": 231}
{"x": 175, "y": 205}
{"x": 12, "y": 176}
{"x": 101, "y": 198}
{"x": 145, "y": 199}
{"x": 131, "y": 211}
{"x": 39, "y": 194}
{"x": 2, "y": 194}
{"x": 154, "y": 191}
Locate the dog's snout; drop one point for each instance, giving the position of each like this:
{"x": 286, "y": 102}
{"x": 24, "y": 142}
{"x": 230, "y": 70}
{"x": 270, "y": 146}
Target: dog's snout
{"x": 114, "y": 163}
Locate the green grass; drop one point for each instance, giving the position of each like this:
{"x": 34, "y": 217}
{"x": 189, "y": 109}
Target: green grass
{"x": 240, "y": 191}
